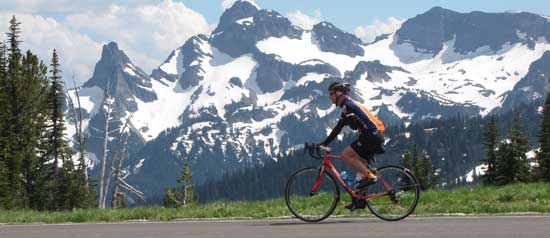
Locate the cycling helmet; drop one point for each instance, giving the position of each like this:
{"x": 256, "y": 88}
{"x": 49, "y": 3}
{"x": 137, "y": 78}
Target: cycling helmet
{"x": 338, "y": 86}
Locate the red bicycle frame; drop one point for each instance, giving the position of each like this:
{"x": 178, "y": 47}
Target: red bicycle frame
{"x": 327, "y": 165}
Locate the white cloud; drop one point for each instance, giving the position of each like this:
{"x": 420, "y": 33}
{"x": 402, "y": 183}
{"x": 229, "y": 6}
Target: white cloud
{"x": 147, "y": 32}
{"x": 370, "y": 32}
{"x": 304, "y": 21}
{"x": 228, "y": 3}
{"x": 77, "y": 52}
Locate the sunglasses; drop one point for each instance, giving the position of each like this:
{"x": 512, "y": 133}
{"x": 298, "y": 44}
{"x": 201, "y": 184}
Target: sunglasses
{"x": 331, "y": 93}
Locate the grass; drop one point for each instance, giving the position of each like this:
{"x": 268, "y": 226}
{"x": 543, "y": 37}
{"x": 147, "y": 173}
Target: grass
{"x": 517, "y": 198}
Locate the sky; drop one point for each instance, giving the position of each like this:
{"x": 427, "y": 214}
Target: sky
{"x": 148, "y": 30}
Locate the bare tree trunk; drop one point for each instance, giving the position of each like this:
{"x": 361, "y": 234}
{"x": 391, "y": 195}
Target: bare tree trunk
{"x": 107, "y": 102}
{"x": 106, "y": 187}
{"x": 78, "y": 128}
{"x": 81, "y": 139}
{"x": 115, "y": 156}
{"x": 114, "y": 200}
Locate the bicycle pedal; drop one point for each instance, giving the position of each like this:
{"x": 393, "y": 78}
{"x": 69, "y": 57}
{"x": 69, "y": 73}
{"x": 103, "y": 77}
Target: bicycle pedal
{"x": 393, "y": 196}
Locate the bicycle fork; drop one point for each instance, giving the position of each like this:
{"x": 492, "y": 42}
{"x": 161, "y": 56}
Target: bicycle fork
{"x": 318, "y": 182}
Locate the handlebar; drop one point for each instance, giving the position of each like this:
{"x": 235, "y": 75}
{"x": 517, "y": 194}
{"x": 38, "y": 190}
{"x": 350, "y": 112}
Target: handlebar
{"x": 316, "y": 151}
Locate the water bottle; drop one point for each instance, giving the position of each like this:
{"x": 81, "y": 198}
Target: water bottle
{"x": 347, "y": 178}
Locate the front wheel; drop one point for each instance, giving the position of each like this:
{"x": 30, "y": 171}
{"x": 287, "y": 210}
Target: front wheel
{"x": 307, "y": 205}
{"x": 395, "y": 195}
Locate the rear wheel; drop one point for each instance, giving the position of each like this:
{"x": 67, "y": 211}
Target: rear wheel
{"x": 400, "y": 199}
{"x": 308, "y": 206}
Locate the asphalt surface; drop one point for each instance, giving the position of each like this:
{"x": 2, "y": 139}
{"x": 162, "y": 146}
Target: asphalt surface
{"x": 425, "y": 227}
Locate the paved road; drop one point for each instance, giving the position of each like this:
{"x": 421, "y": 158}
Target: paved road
{"x": 440, "y": 227}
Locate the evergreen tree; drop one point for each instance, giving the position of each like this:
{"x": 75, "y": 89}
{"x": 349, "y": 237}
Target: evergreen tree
{"x": 543, "y": 155}
{"x": 31, "y": 132}
{"x": 521, "y": 143}
{"x": 414, "y": 159}
{"x": 70, "y": 184}
{"x": 10, "y": 110}
{"x": 504, "y": 168}
{"x": 183, "y": 196}
{"x": 56, "y": 150}
{"x": 23, "y": 96}
{"x": 4, "y": 175}
{"x": 425, "y": 174}
{"x": 491, "y": 136}
{"x": 185, "y": 180}
{"x": 58, "y": 146}
{"x": 32, "y": 121}
{"x": 512, "y": 164}
{"x": 407, "y": 159}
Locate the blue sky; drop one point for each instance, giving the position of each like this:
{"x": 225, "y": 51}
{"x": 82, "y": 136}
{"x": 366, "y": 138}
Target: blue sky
{"x": 148, "y": 30}
{"x": 348, "y": 14}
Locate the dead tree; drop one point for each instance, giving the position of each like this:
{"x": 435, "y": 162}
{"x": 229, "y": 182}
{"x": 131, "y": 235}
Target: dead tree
{"x": 123, "y": 184}
{"x": 119, "y": 181}
{"x": 115, "y": 156}
{"x": 78, "y": 128}
{"x": 107, "y": 106}
{"x": 114, "y": 200}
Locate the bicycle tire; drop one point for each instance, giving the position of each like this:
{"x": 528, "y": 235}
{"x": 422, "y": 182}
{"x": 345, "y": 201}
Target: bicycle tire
{"x": 378, "y": 187}
{"x": 312, "y": 174}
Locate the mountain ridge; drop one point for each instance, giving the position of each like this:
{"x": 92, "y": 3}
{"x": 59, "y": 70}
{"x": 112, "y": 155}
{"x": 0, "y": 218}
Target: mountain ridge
{"x": 237, "y": 98}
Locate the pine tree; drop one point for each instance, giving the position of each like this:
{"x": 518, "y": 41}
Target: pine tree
{"x": 512, "y": 164}
{"x": 23, "y": 96}
{"x": 407, "y": 159}
{"x": 10, "y": 109}
{"x": 58, "y": 146}
{"x": 32, "y": 122}
{"x": 71, "y": 187}
{"x": 415, "y": 160}
{"x": 425, "y": 174}
{"x": 491, "y": 136}
{"x": 521, "y": 147}
{"x": 185, "y": 180}
{"x": 4, "y": 183}
{"x": 185, "y": 195}
{"x": 31, "y": 131}
{"x": 543, "y": 155}
{"x": 170, "y": 199}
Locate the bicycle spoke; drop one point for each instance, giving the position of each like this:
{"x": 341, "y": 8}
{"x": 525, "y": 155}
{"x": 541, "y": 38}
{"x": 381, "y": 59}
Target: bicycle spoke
{"x": 400, "y": 200}
{"x": 309, "y": 207}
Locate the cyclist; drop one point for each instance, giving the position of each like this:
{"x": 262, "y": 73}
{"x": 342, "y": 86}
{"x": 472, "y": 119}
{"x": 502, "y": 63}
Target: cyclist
{"x": 369, "y": 142}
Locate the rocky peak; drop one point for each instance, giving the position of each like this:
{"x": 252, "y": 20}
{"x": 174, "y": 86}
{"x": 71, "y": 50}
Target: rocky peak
{"x": 239, "y": 10}
{"x": 377, "y": 72}
{"x": 179, "y": 64}
{"x": 115, "y": 73}
{"x": 428, "y": 32}
{"x": 239, "y": 36}
{"x": 332, "y": 39}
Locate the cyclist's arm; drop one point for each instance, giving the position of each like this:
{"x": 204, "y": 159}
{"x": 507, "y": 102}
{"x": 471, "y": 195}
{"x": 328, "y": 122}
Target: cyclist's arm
{"x": 334, "y": 132}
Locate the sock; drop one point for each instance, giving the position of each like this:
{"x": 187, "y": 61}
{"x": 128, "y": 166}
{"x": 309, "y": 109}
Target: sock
{"x": 370, "y": 175}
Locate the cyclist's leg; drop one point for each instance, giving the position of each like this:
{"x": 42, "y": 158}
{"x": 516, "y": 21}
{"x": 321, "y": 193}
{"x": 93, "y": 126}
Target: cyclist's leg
{"x": 357, "y": 154}
{"x": 354, "y": 160}
{"x": 351, "y": 157}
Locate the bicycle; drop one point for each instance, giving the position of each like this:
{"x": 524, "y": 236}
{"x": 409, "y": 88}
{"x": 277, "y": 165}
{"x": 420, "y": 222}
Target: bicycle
{"x": 311, "y": 194}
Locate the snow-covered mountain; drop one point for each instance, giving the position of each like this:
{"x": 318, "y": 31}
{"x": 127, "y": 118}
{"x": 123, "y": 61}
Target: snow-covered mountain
{"x": 256, "y": 86}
